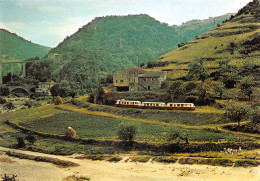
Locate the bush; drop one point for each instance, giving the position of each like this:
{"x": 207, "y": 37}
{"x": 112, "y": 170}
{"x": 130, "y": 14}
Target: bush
{"x": 2, "y": 100}
{"x": 4, "y": 91}
{"x": 165, "y": 159}
{"x": 9, "y": 178}
{"x": 115, "y": 159}
{"x": 32, "y": 104}
{"x": 246, "y": 163}
{"x": 142, "y": 159}
{"x": 31, "y": 139}
{"x": 9, "y": 105}
{"x": 20, "y": 143}
{"x": 126, "y": 131}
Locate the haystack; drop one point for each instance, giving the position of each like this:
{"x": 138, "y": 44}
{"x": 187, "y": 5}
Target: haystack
{"x": 70, "y": 132}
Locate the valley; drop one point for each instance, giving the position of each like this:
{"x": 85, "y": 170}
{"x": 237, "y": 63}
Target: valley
{"x": 132, "y": 98}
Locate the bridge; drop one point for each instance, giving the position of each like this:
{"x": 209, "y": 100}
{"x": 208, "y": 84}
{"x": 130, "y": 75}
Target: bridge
{"x": 11, "y": 64}
{"x": 20, "y": 89}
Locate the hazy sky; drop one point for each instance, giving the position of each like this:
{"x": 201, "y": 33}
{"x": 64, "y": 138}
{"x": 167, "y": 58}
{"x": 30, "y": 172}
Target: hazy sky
{"x": 48, "y": 22}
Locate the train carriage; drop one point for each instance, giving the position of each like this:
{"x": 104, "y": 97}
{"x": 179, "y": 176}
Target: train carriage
{"x": 180, "y": 106}
{"x": 155, "y": 105}
{"x": 125, "y": 103}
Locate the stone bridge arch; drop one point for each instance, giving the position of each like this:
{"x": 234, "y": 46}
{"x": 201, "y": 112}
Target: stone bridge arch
{"x": 19, "y": 91}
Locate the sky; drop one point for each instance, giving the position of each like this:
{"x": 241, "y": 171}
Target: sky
{"x": 49, "y": 22}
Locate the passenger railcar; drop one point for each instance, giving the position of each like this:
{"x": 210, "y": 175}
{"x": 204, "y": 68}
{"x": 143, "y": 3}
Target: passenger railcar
{"x": 180, "y": 106}
{"x": 155, "y": 105}
{"x": 124, "y": 103}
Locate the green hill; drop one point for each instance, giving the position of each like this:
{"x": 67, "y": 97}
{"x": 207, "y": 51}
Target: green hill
{"x": 236, "y": 41}
{"x": 110, "y": 43}
{"x": 223, "y": 63}
{"x": 13, "y": 47}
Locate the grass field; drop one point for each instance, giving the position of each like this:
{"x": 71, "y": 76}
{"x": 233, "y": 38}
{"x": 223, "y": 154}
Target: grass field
{"x": 98, "y": 127}
{"x": 103, "y": 126}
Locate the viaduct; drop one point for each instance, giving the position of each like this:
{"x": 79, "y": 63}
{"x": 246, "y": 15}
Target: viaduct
{"x": 11, "y": 64}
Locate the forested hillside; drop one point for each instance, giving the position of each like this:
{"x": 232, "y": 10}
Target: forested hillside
{"x": 110, "y": 43}
{"x": 13, "y": 47}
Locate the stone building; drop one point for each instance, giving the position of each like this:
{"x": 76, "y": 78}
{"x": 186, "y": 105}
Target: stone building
{"x": 44, "y": 88}
{"x": 127, "y": 79}
{"x": 151, "y": 80}
{"x": 132, "y": 79}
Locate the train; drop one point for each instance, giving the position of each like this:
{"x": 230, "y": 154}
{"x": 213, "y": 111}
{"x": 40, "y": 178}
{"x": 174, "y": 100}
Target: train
{"x": 155, "y": 105}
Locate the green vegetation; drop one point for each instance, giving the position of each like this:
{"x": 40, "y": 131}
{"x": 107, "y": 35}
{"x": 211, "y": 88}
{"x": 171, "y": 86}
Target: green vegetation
{"x": 97, "y": 127}
{"x": 236, "y": 112}
{"x": 126, "y": 131}
{"x": 108, "y": 44}
{"x": 14, "y": 47}
{"x": 178, "y": 134}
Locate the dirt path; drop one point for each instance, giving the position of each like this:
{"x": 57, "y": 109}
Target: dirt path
{"x": 121, "y": 171}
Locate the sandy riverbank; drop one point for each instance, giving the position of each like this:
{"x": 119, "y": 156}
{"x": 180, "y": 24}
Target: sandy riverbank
{"x": 126, "y": 171}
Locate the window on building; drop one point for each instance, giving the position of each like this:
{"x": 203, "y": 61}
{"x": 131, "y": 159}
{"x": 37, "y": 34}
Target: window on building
{"x": 116, "y": 81}
{"x": 121, "y": 81}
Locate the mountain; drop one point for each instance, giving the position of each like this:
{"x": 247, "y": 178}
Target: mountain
{"x": 236, "y": 41}
{"x": 133, "y": 39}
{"x": 108, "y": 44}
{"x": 14, "y": 47}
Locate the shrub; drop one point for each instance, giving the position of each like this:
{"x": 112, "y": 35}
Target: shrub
{"x": 32, "y": 104}
{"x": 178, "y": 134}
{"x": 31, "y": 139}
{"x": 115, "y": 159}
{"x": 20, "y": 143}
{"x": 58, "y": 100}
{"x": 9, "y": 105}
{"x": 9, "y": 178}
{"x": 4, "y": 91}
{"x": 246, "y": 163}
{"x": 165, "y": 159}
{"x": 142, "y": 159}
{"x": 126, "y": 131}
{"x": 2, "y": 100}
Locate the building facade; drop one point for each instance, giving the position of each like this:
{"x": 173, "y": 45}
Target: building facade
{"x": 151, "y": 81}
{"x": 127, "y": 79}
{"x": 44, "y": 88}
{"x": 132, "y": 79}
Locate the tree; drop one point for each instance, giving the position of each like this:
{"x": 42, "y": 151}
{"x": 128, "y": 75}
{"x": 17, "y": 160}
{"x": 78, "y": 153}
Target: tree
{"x": 230, "y": 78}
{"x": 246, "y": 85}
{"x": 236, "y": 112}
{"x": 178, "y": 134}
{"x": 126, "y": 131}
{"x": 175, "y": 89}
{"x": 20, "y": 143}
{"x": 219, "y": 88}
{"x": 198, "y": 70}
{"x": 9, "y": 105}
{"x": 30, "y": 138}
